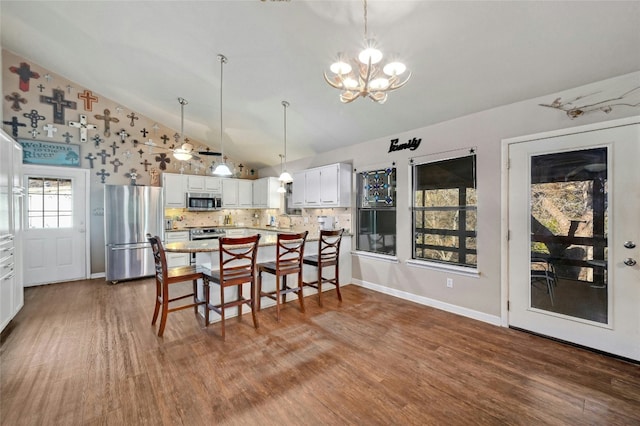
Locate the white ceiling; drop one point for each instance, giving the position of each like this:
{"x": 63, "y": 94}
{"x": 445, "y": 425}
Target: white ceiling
{"x": 465, "y": 57}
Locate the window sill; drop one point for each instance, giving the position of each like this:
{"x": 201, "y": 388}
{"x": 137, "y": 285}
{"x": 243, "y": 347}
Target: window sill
{"x": 376, "y": 256}
{"x": 454, "y": 269}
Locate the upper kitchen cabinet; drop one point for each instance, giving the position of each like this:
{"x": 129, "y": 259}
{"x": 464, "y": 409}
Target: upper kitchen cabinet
{"x": 174, "y": 188}
{"x": 197, "y": 183}
{"x": 326, "y": 186}
{"x": 237, "y": 193}
{"x": 265, "y": 193}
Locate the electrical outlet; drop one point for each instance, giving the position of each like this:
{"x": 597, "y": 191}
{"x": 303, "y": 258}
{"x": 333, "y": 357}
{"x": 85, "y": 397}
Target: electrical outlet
{"x": 449, "y": 282}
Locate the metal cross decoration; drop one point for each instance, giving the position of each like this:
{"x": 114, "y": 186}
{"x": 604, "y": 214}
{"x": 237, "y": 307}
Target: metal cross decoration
{"x": 116, "y": 163}
{"x": 114, "y": 146}
{"x": 91, "y": 157}
{"x": 164, "y": 138}
{"x": 16, "y": 100}
{"x": 144, "y": 132}
{"x": 50, "y": 129}
{"x": 163, "y": 160}
{"x": 89, "y": 98}
{"x": 25, "y": 74}
{"x": 40, "y": 87}
{"x": 14, "y": 125}
{"x": 103, "y": 175}
{"x": 133, "y": 175}
{"x": 146, "y": 164}
{"x": 133, "y": 117}
{"x": 67, "y": 137}
{"x": 106, "y": 117}
{"x": 34, "y": 133}
{"x": 97, "y": 140}
{"x": 83, "y": 126}
{"x": 123, "y": 135}
{"x": 104, "y": 156}
{"x": 59, "y": 104}
{"x": 34, "y": 116}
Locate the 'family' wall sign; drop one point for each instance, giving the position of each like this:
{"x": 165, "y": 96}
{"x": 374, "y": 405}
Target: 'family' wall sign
{"x": 411, "y": 144}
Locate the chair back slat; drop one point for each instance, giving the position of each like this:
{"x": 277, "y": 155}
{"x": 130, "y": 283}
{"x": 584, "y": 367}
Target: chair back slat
{"x": 329, "y": 245}
{"x": 290, "y": 250}
{"x": 159, "y": 257}
{"x": 238, "y": 257}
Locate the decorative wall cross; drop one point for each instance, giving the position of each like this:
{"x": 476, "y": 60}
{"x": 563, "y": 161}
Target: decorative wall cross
{"x": 103, "y": 175}
{"x": 116, "y": 163}
{"x": 89, "y": 98}
{"x": 176, "y": 137}
{"x": 133, "y": 117}
{"x": 104, "y": 156}
{"x": 16, "y": 100}
{"x": 114, "y": 146}
{"x": 163, "y": 160}
{"x": 133, "y": 175}
{"x": 50, "y": 129}
{"x": 34, "y": 132}
{"x": 25, "y": 74}
{"x": 41, "y": 87}
{"x": 164, "y": 138}
{"x": 91, "y": 157}
{"x": 67, "y": 137}
{"x": 34, "y": 116}
{"x": 144, "y": 132}
{"x": 146, "y": 164}
{"x": 59, "y": 104}
{"x": 97, "y": 140}
{"x": 140, "y": 151}
{"x": 123, "y": 135}
{"x": 135, "y": 143}
{"x": 83, "y": 126}
{"x": 14, "y": 125}
{"x": 106, "y": 117}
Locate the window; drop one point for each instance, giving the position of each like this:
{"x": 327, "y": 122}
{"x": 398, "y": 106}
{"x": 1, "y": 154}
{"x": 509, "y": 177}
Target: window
{"x": 376, "y": 212}
{"x": 445, "y": 211}
{"x": 49, "y": 203}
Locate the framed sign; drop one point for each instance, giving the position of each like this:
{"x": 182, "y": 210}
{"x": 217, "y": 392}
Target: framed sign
{"x": 50, "y": 153}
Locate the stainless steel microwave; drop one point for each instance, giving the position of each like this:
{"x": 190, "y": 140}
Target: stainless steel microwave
{"x": 203, "y": 201}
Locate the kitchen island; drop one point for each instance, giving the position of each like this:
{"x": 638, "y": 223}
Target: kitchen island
{"x": 207, "y": 257}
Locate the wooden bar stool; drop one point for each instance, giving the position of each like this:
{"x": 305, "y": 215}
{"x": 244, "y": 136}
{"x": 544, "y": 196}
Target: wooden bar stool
{"x": 167, "y": 276}
{"x": 237, "y": 267}
{"x": 289, "y": 254}
{"x": 328, "y": 255}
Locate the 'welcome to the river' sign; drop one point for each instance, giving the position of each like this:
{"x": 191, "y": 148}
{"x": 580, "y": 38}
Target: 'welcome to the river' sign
{"x": 50, "y": 153}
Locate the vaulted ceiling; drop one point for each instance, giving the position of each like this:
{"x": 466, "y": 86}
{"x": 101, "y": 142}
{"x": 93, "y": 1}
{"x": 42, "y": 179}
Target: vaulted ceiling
{"x": 464, "y": 57}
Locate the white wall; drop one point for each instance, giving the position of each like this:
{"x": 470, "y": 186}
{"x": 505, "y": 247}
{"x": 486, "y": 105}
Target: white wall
{"x": 473, "y": 296}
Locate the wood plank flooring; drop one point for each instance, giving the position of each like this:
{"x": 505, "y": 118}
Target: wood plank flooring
{"x": 84, "y": 353}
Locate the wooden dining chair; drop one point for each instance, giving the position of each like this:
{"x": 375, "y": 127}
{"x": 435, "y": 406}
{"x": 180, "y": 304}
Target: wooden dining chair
{"x": 165, "y": 277}
{"x": 328, "y": 255}
{"x": 237, "y": 266}
{"x": 289, "y": 254}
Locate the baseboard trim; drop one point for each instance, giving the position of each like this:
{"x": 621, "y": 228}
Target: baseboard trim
{"x": 454, "y": 309}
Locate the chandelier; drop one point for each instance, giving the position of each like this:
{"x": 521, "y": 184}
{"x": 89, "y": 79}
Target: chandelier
{"x": 366, "y": 77}
{"x": 184, "y": 152}
{"x": 222, "y": 169}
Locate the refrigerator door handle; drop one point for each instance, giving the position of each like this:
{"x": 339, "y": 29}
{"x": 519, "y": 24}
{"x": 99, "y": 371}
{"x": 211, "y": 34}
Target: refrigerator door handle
{"x": 131, "y": 248}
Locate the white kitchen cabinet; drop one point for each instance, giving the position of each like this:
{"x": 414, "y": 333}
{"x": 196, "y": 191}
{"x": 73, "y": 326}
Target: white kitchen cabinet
{"x": 237, "y": 194}
{"x": 195, "y": 183}
{"x": 326, "y": 186}
{"x": 174, "y": 188}
{"x": 298, "y": 188}
{"x": 265, "y": 193}
{"x": 176, "y": 259}
{"x": 213, "y": 184}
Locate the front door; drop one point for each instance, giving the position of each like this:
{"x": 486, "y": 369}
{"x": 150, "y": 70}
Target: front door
{"x": 574, "y": 226}
{"x": 55, "y": 232}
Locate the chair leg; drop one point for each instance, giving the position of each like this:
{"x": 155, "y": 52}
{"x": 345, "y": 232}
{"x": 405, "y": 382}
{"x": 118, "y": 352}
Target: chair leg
{"x": 239, "y": 299}
{"x": 195, "y": 297}
{"x": 157, "y": 308}
{"x": 259, "y": 291}
{"x": 164, "y": 314}
{"x": 338, "y": 282}
{"x": 222, "y": 310}
{"x": 206, "y": 293}
{"x": 278, "y": 295}
{"x": 300, "y": 295}
{"x": 319, "y": 286}
{"x": 253, "y": 305}
{"x": 284, "y": 288}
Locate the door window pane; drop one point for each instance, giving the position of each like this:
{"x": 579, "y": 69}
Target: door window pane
{"x": 376, "y": 216}
{"x": 49, "y": 203}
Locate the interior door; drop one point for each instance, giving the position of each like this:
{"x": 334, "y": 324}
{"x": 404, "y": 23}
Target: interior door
{"x": 574, "y": 203}
{"x": 55, "y": 225}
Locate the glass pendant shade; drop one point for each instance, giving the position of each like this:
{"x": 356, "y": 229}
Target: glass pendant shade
{"x": 184, "y": 152}
{"x": 281, "y": 190}
{"x": 222, "y": 170}
{"x": 285, "y": 177}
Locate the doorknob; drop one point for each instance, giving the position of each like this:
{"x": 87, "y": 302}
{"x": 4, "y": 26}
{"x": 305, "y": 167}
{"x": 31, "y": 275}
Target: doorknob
{"x": 629, "y": 261}
{"x": 629, "y": 244}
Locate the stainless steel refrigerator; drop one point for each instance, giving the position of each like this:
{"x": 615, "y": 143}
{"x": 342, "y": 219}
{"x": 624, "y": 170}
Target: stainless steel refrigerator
{"x": 130, "y": 212}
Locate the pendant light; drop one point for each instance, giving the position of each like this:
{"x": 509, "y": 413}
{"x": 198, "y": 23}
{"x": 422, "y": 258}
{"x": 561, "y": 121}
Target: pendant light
{"x": 281, "y": 189}
{"x": 184, "y": 152}
{"x": 285, "y": 177}
{"x": 221, "y": 169}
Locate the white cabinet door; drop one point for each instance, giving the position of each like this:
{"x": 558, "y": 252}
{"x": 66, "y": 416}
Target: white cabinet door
{"x": 245, "y": 193}
{"x": 229, "y": 193}
{"x": 312, "y": 187}
{"x": 298, "y": 188}
{"x": 329, "y": 185}
{"x": 195, "y": 183}
{"x": 176, "y": 259}
{"x": 174, "y": 190}
{"x": 213, "y": 184}
{"x": 260, "y": 189}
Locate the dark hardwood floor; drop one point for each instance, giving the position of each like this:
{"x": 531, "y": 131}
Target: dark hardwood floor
{"x": 84, "y": 353}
